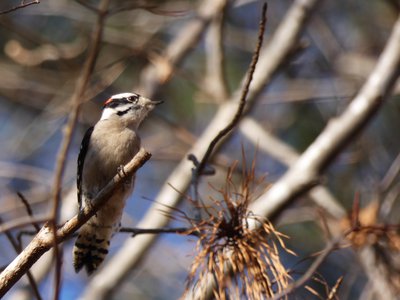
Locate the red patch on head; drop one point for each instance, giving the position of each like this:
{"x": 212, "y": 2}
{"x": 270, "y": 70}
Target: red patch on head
{"x": 108, "y": 101}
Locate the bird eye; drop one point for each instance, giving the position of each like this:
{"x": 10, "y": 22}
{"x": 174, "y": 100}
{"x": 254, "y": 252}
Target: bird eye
{"x": 134, "y": 99}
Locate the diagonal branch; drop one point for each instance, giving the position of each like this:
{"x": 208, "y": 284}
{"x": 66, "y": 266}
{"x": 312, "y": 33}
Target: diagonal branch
{"x": 44, "y": 240}
{"x": 22, "y": 5}
{"x": 285, "y": 154}
{"x": 18, "y": 248}
{"x": 338, "y": 133}
{"x": 153, "y": 76}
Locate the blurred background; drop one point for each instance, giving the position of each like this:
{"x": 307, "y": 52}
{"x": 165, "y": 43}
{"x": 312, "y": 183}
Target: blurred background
{"x": 44, "y": 46}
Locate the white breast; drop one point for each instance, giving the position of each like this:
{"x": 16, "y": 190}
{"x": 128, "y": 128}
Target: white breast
{"x": 111, "y": 146}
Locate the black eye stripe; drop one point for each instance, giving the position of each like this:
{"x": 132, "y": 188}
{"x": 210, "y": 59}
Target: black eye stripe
{"x": 121, "y": 101}
{"x": 122, "y": 112}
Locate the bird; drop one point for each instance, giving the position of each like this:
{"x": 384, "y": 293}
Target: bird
{"x": 111, "y": 143}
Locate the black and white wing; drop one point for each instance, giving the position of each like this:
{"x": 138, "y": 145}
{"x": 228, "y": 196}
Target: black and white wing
{"x": 81, "y": 160}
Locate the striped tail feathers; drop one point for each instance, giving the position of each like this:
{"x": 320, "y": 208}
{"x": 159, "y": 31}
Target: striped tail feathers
{"x": 91, "y": 247}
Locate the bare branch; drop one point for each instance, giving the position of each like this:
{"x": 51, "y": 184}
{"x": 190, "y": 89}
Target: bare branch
{"x": 23, "y": 221}
{"x": 284, "y": 153}
{"x": 332, "y": 245}
{"x": 136, "y": 231}
{"x": 41, "y": 268}
{"x": 28, "y": 210}
{"x": 18, "y": 247}
{"x": 44, "y": 240}
{"x": 338, "y": 133}
{"x": 157, "y": 73}
{"x": 377, "y": 273}
{"x": 22, "y": 5}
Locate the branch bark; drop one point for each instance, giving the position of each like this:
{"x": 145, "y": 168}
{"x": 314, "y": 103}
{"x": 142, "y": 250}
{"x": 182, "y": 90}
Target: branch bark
{"x": 279, "y": 150}
{"x": 153, "y": 76}
{"x": 44, "y": 240}
{"x": 338, "y": 133}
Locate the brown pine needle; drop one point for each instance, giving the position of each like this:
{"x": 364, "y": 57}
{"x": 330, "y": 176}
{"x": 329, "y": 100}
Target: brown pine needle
{"x": 225, "y": 238}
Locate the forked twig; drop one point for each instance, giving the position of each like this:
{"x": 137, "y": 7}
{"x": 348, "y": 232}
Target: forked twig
{"x": 18, "y": 248}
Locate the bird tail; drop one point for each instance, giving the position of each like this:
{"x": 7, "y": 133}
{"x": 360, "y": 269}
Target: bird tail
{"x": 91, "y": 246}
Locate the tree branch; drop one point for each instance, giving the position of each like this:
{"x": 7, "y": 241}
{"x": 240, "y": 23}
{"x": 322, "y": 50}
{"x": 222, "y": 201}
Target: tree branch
{"x": 22, "y": 5}
{"x": 279, "y": 150}
{"x": 338, "y": 133}
{"x": 44, "y": 240}
{"x": 153, "y": 76}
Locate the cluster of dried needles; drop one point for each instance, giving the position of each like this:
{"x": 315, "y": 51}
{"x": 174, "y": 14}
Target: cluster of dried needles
{"x": 225, "y": 236}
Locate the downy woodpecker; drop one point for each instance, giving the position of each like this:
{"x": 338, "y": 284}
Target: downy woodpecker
{"x": 107, "y": 146}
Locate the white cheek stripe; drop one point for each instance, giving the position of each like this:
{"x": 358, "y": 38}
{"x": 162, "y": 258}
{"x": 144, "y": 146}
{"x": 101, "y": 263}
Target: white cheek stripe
{"x": 107, "y": 112}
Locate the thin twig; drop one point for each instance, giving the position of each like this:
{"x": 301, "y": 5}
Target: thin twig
{"x": 80, "y": 90}
{"x": 136, "y": 231}
{"x": 242, "y": 101}
{"x": 200, "y": 167}
{"x": 179, "y": 230}
{"x": 28, "y": 210}
{"x": 391, "y": 175}
{"x": 335, "y": 288}
{"x": 331, "y": 246}
{"x": 23, "y": 221}
{"x": 18, "y": 248}
{"x": 311, "y": 270}
{"x": 22, "y": 5}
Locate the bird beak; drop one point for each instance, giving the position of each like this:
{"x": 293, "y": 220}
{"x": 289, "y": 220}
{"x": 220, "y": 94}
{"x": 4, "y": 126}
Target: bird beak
{"x": 156, "y": 102}
{"x": 151, "y": 104}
